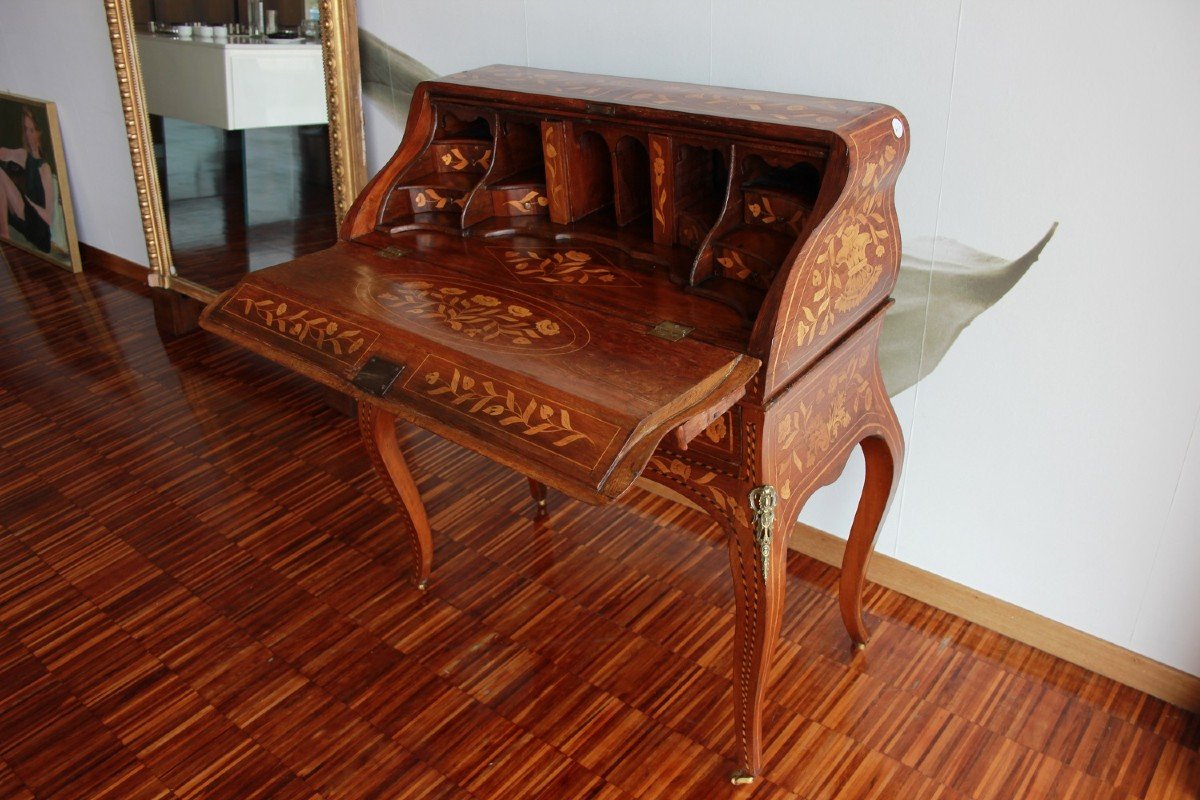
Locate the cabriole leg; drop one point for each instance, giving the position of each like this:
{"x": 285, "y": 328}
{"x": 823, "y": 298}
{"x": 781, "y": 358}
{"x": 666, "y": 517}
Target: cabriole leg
{"x": 882, "y": 452}
{"x": 378, "y": 429}
{"x": 538, "y": 492}
{"x": 757, "y": 555}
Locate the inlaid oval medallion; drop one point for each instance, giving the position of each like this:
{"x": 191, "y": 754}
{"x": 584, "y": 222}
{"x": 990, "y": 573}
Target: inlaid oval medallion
{"x": 464, "y": 312}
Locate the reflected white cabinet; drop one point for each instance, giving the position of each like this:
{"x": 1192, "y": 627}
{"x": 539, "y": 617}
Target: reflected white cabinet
{"x": 233, "y": 86}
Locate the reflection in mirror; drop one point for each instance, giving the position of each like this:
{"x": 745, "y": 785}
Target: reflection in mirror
{"x": 236, "y": 95}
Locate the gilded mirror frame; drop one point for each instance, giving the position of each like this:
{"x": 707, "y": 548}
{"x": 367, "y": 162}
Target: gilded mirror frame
{"x": 343, "y": 94}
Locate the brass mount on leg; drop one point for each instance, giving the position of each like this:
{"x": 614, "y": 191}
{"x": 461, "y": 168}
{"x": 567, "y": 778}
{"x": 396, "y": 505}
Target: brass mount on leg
{"x": 741, "y": 778}
{"x": 762, "y": 502}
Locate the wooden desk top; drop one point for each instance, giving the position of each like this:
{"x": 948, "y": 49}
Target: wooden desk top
{"x": 591, "y": 92}
{"x": 492, "y": 361}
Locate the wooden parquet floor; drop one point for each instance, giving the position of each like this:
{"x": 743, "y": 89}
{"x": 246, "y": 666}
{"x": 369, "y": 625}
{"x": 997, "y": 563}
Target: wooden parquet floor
{"x": 202, "y": 596}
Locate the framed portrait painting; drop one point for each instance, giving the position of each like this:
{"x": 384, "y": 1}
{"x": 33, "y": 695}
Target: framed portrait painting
{"x": 35, "y": 201}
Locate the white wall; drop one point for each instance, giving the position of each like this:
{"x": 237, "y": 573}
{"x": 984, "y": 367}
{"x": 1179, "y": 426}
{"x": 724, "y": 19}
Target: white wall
{"x": 59, "y": 50}
{"x": 1048, "y": 454}
{"x": 1087, "y": 379}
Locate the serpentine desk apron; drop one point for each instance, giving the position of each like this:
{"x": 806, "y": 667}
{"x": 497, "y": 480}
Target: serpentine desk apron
{"x": 590, "y": 278}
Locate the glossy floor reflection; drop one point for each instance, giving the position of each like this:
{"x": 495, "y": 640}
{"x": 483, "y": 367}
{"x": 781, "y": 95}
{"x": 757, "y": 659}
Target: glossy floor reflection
{"x": 202, "y": 595}
{"x": 239, "y": 201}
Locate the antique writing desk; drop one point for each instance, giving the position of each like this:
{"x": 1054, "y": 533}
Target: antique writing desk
{"x": 590, "y": 279}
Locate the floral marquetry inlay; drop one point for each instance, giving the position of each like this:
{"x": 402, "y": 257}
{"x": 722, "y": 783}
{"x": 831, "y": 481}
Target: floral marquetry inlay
{"x": 480, "y": 396}
{"x": 432, "y": 200}
{"x": 719, "y": 443}
{"x": 761, "y": 208}
{"x": 555, "y": 169}
{"x": 659, "y": 171}
{"x": 531, "y": 201}
{"x": 466, "y": 312}
{"x": 560, "y": 265}
{"x": 807, "y": 433}
{"x": 463, "y": 157}
{"x": 703, "y": 483}
{"x": 573, "y": 434}
{"x": 734, "y": 266}
{"x": 718, "y": 430}
{"x": 325, "y": 333}
{"x": 854, "y": 256}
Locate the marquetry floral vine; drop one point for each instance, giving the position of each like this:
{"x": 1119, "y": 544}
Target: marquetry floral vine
{"x": 481, "y": 397}
{"x": 854, "y": 257}
{"x": 435, "y": 201}
{"x": 559, "y": 266}
{"x": 477, "y": 315}
{"x": 457, "y": 161}
{"x": 734, "y": 266}
{"x": 660, "y": 189}
{"x": 704, "y": 483}
{"x": 302, "y": 324}
{"x": 718, "y": 430}
{"x": 553, "y": 181}
{"x": 530, "y": 202}
{"x": 761, "y": 210}
{"x": 806, "y": 434}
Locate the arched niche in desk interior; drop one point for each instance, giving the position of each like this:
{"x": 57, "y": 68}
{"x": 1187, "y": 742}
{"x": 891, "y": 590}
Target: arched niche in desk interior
{"x": 175, "y": 292}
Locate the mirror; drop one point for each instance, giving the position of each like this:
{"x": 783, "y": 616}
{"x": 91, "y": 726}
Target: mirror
{"x": 245, "y": 129}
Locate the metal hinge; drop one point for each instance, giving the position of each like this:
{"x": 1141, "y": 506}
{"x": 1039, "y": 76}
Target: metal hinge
{"x": 671, "y": 331}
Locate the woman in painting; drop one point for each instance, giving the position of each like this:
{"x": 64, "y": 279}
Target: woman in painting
{"x": 23, "y": 204}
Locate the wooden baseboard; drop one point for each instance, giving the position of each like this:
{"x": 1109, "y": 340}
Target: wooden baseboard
{"x": 1090, "y": 652}
{"x": 1083, "y": 649}
{"x": 95, "y": 257}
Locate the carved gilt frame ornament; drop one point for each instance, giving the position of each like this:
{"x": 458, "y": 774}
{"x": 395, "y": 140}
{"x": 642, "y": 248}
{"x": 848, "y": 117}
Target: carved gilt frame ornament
{"x": 137, "y": 128}
{"x": 343, "y": 92}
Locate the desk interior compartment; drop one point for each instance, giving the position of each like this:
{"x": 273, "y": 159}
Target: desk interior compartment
{"x": 515, "y": 185}
{"x": 697, "y": 178}
{"x": 766, "y": 216}
{"x": 432, "y": 193}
